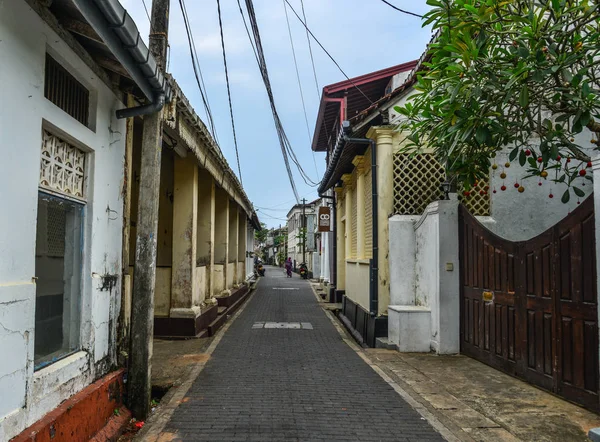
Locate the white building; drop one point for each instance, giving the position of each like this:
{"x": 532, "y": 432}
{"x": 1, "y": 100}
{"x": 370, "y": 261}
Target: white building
{"x": 302, "y": 219}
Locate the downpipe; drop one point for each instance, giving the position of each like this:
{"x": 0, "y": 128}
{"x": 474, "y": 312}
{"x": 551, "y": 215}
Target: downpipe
{"x": 145, "y": 109}
{"x": 374, "y": 262}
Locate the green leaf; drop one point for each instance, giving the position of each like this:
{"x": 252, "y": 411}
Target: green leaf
{"x": 585, "y": 89}
{"x": 580, "y": 193}
{"x": 482, "y": 134}
{"x": 522, "y": 158}
{"x": 566, "y": 197}
{"x": 513, "y": 154}
{"x": 524, "y": 96}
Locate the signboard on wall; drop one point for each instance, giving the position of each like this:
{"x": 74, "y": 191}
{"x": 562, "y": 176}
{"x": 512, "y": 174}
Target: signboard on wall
{"x": 324, "y": 219}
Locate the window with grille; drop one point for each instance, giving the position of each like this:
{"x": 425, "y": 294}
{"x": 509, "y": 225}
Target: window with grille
{"x": 59, "y": 242}
{"x": 62, "y": 89}
{"x": 417, "y": 183}
{"x": 354, "y": 218}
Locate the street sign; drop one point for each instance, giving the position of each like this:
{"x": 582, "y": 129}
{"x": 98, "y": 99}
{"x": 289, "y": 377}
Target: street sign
{"x": 324, "y": 219}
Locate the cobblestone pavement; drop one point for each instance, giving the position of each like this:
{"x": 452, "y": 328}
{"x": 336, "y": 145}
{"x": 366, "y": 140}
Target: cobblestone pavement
{"x": 267, "y": 382}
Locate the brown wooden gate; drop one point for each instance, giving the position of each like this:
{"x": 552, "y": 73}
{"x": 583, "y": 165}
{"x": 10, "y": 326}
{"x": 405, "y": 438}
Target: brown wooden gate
{"x": 529, "y": 308}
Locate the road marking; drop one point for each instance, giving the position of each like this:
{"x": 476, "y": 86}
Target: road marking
{"x": 282, "y": 325}
{"x": 286, "y": 288}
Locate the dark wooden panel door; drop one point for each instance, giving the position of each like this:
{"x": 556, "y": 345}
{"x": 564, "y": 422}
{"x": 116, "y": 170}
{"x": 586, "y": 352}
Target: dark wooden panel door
{"x": 488, "y": 327}
{"x": 529, "y": 308}
{"x": 576, "y": 307}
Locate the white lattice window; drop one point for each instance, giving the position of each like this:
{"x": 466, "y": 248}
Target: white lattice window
{"x": 62, "y": 166}
{"x": 417, "y": 183}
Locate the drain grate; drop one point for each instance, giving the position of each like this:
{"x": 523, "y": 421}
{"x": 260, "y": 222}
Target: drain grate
{"x": 288, "y": 325}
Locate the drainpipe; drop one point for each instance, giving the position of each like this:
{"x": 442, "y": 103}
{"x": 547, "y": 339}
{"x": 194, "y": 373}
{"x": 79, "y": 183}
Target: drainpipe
{"x": 146, "y": 109}
{"x": 374, "y": 264}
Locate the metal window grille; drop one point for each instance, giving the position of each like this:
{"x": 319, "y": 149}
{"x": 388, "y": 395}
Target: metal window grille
{"x": 417, "y": 181}
{"x": 354, "y": 216}
{"x": 62, "y": 89}
{"x": 368, "y": 208}
{"x": 62, "y": 166}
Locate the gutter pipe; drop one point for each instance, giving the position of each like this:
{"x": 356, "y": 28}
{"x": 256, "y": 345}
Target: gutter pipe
{"x": 374, "y": 264}
{"x": 120, "y": 34}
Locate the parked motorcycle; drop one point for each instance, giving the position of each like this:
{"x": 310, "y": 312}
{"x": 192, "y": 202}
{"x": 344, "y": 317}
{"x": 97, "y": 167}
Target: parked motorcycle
{"x": 260, "y": 269}
{"x": 303, "y": 271}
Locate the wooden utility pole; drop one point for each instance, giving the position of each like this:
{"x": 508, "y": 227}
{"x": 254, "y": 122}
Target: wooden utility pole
{"x": 305, "y": 231}
{"x": 142, "y": 308}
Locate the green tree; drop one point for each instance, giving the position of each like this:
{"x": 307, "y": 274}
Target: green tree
{"x": 518, "y": 73}
{"x": 261, "y": 235}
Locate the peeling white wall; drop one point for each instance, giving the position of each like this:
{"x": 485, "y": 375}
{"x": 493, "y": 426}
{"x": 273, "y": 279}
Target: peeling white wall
{"x": 27, "y": 396}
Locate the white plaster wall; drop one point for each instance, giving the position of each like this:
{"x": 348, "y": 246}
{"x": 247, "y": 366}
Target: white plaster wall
{"x": 249, "y": 247}
{"x": 199, "y": 286}
{"x": 357, "y": 282}
{"x": 230, "y": 275}
{"x": 219, "y": 282}
{"x": 402, "y": 259}
{"x": 520, "y": 216}
{"x": 24, "y": 40}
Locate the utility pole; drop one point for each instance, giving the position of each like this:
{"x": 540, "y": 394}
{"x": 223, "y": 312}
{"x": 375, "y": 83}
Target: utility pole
{"x": 142, "y": 308}
{"x": 304, "y": 230}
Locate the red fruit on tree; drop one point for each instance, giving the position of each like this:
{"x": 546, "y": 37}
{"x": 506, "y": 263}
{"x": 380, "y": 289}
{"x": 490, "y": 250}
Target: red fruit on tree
{"x": 550, "y": 196}
{"x": 527, "y": 152}
{"x": 517, "y": 185}
{"x": 503, "y": 188}
{"x": 558, "y": 158}
{"x": 466, "y": 193}
{"x": 582, "y": 172}
{"x": 589, "y": 164}
{"x": 540, "y": 183}
{"x": 540, "y": 159}
{"x": 568, "y": 160}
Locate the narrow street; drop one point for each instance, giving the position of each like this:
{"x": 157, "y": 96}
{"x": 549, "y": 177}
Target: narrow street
{"x": 303, "y": 383}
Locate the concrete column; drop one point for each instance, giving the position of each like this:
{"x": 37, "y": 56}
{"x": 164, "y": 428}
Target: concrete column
{"x": 348, "y": 216}
{"x": 221, "y": 240}
{"x": 341, "y": 242}
{"x": 205, "y": 250}
{"x": 185, "y": 221}
{"x": 360, "y": 207}
{"x": 233, "y": 239}
{"x": 385, "y": 200}
{"x": 241, "y": 252}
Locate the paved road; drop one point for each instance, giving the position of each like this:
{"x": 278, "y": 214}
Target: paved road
{"x": 296, "y": 384}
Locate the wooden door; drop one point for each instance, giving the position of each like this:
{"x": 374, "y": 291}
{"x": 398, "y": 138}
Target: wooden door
{"x": 529, "y": 308}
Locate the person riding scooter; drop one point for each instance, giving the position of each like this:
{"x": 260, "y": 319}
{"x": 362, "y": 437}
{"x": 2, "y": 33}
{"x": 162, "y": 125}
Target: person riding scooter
{"x": 303, "y": 271}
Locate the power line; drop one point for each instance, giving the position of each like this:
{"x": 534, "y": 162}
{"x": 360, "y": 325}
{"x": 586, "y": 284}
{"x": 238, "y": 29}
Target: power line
{"x": 146, "y": 9}
{"x": 237, "y": 154}
{"x": 401, "y": 10}
{"x": 198, "y": 70}
{"x": 299, "y": 82}
{"x": 328, "y": 54}
{"x": 265, "y": 76}
{"x": 312, "y": 60}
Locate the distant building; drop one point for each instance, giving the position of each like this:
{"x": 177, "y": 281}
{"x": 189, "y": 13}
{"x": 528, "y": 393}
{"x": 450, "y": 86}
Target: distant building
{"x": 303, "y": 221}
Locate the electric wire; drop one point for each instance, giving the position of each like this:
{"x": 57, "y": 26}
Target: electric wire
{"x": 237, "y": 154}
{"x": 146, "y": 9}
{"x": 401, "y": 10}
{"x": 299, "y": 82}
{"x": 265, "y": 76}
{"x": 198, "y": 71}
{"x": 312, "y": 60}
{"x": 328, "y": 54}
{"x": 283, "y": 140}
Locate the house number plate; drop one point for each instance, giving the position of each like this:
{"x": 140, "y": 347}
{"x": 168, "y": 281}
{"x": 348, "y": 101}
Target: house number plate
{"x": 488, "y": 296}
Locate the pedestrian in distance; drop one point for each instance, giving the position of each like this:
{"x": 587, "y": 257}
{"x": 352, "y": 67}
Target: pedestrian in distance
{"x": 288, "y": 267}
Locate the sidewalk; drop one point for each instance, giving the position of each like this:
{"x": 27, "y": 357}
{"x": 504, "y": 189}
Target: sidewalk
{"x": 477, "y": 402}
{"x": 483, "y": 402}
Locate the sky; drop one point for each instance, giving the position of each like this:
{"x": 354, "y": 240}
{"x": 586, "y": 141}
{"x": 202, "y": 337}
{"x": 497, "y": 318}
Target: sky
{"x": 362, "y": 35}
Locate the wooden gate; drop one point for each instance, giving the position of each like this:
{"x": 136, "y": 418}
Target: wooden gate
{"x": 529, "y": 308}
